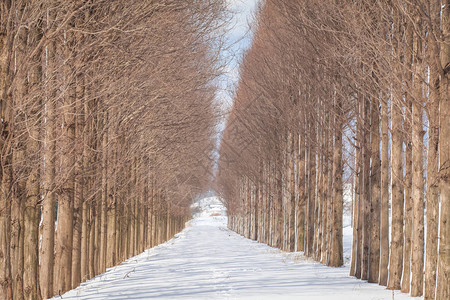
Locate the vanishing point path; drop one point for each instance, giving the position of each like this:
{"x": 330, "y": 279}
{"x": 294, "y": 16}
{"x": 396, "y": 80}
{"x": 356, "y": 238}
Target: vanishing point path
{"x": 208, "y": 261}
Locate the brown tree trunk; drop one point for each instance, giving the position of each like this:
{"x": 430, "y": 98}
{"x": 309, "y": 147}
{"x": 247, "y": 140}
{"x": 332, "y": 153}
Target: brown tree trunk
{"x": 384, "y": 244}
{"x": 85, "y": 184}
{"x": 325, "y": 194}
{"x": 291, "y": 192}
{"x": 359, "y": 188}
{"x": 92, "y": 239}
{"x": 111, "y": 238}
{"x": 367, "y": 191}
{"x": 78, "y": 192}
{"x": 84, "y": 248}
{"x": 319, "y": 196}
{"x": 48, "y": 207}
{"x": 5, "y": 155}
{"x": 31, "y": 213}
{"x": 18, "y": 166}
{"x": 337, "y": 253}
{"x": 432, "y": 209}
{"x": 64, "y": 242}
{"x": 301, "y": 196}
{"x": 279, "y": 207}
{"x": 17, "y": 239}
{"x": 396, "y": 254}
{"x": 103, "y": 197}
{"x": 443, "y": 277}
{"x": 417, "y": 258}
{"x": 406, "y": 278}
{"x": 311, "y": 192}
{"x": 376, "y": 193}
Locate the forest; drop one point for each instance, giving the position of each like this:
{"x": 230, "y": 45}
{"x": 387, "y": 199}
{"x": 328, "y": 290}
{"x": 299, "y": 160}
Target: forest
{"x": 342, "y": 107}
{"x": 106, "y": 125}
{"x": 111, "y": 129}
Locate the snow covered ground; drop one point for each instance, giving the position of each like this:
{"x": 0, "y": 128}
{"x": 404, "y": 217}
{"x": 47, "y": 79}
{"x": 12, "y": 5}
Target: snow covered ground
{"x": 208, "y": 261}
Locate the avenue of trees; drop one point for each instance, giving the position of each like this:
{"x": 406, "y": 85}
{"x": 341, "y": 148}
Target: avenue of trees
{"x": 107, "y": 122}
{"x": 346, "y": 98}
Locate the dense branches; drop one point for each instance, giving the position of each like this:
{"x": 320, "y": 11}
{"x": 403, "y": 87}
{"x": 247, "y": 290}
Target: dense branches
{"x": 107, "y": 119}
{"x": 362, "y": 89}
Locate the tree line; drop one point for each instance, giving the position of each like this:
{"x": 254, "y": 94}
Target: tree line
{"x": 107, "y": 123}
{"x": 346, "y": 98}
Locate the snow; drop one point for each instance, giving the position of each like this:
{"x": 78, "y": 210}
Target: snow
{"x": 208, "y": 261}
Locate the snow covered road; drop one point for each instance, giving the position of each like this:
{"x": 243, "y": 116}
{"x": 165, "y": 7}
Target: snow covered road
{"x": 208, "y": 261}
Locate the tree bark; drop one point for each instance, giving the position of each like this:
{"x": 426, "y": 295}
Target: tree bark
{"x": 384, "y": 243}
{"x": 406, "y": 278}
{"x": 376, "y": 193}
{"x": 367, "y": 191}
{"x": 104, "y": 192}
{"x": 291, "y": 193}
{"x": 301, "y": 196}
{"x": 396, "y": 254}
{"x": 360, "y": 189}
{"x": 31, "y": 213}
{"x": 432, "y": 196}
{"x": 78, "y": 192}
{"x": 48, "y": 207}
{"x": 337, "y": 253}
{"x": 19, "y": 163}
{"x": 443, "y": 277}
{"x": 64, "y": 242}
{"x": 311, "y": 192}
{"x": 417, "y": 258}
{"x": 5, "y": 144}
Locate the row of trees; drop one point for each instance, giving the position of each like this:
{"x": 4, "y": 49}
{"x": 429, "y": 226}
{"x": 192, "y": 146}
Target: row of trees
{"x": 346, "y": 97}
{"x": 106, "y": 126}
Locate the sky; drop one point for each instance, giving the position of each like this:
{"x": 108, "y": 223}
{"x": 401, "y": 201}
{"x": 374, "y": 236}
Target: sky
{"x": 238, "y": 40}
{"x": 239, "y": 37}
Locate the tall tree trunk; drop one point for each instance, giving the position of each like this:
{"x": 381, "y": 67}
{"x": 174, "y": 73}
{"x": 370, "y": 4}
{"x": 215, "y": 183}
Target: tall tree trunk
{"x": 384, "y": 243}
{"x": 301, "y": 196}
{"x": 443, "y": 277}
{"x": 396, "y": 254}
{"x": 291, "y": 193}
{"x": 85, "y": 184}
{"x": 48, "y": 207}
{"x": 33, "y": 195}
{"x": 376, "y": 193}
{"x": 104, "y": 192}
{"x": 5, "y": 155}
{"x": 355, "y": 216}
{"x": 396, "y": 250}
{"x": 337, "y": 253}
{"x": 319, "y": 197}
{"x": 432, "y": 195}
{"x": 78, "y": 192}
{"x": 279, "y": 209}
{"x": 311, "y": 192}
{"x": 111, "y": 246}
{"x": 367, "y": 191}
{"x": 325, "y": 194}
{"x": 19, "y": 164}
{"x": 64, "y": 242}
{"x": 417, "y": 258}
{"x": 407, "y": 130}
{"x": 17, "y": 228}
{"x": 360, "y": 189}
